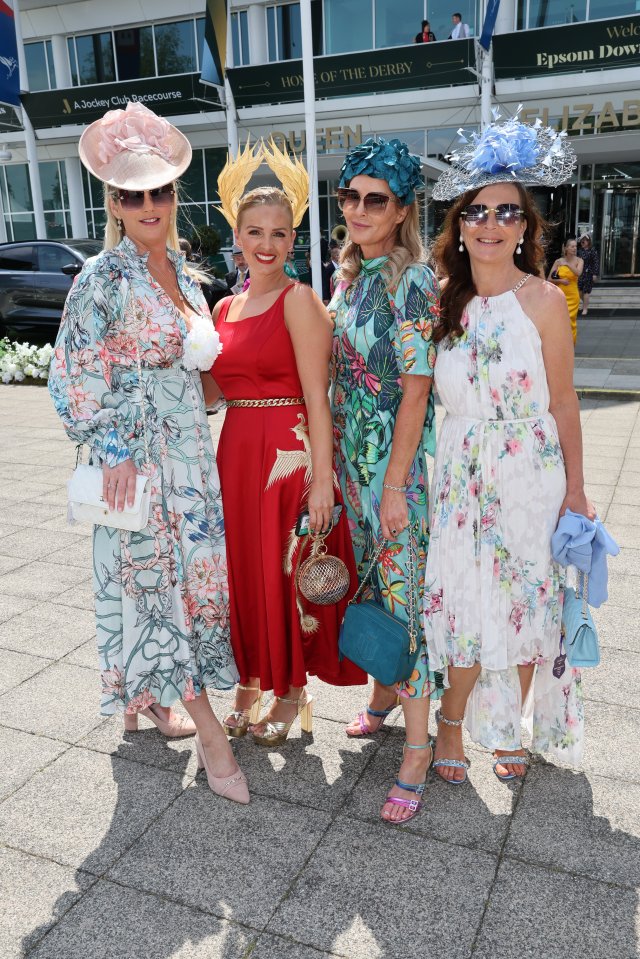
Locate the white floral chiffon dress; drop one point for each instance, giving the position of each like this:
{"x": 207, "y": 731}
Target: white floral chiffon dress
{"x": 493, "y": 594}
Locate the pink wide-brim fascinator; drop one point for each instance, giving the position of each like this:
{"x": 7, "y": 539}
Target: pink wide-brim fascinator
{"x": 134, "y": 149}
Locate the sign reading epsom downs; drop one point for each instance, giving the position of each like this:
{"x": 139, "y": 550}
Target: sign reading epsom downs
{"x": 601, "y": 44}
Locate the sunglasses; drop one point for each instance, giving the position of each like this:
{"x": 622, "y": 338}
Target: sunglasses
{"x": 373, "y": 202}
{"x": 134, "y": 199}
{"x": 506, "y": 214}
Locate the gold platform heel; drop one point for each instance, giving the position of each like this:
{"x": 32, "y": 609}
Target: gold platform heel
{"x": 243, "y": 718}
{"x": 275, "y": 733}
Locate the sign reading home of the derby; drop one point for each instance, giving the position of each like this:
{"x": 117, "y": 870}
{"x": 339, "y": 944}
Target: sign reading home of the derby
{"x": 374, "y": 71}
{"x": 167, "y": 96}
{"x": 603, "y": 44}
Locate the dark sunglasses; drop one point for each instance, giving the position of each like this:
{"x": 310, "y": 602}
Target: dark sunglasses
{"x": 373, "y": 202}
{"x": 134, "y": 199}
{"x": 506, "y": 214}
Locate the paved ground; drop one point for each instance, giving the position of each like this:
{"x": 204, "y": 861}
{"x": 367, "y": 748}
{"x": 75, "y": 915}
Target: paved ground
{"x": 111, "y": 849}
{"x": 608, "y": 352}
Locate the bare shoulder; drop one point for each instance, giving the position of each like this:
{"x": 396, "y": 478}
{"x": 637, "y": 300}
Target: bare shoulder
{"x": 542, "y": 301}
{"x": 302, "y": 301}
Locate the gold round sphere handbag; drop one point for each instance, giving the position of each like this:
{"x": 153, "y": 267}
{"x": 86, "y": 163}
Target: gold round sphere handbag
{"x": 323, "y": 579}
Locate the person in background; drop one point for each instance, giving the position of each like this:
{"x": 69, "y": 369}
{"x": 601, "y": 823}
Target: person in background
{"x": 212, "y": 288}
{"x": 426, "y": 35}
{"x": 460, "y": 30}
{"x": 240, "y": 273}
{"x": 290, "y": 266}
{"x": 565, "y": 273}
{"x": 591, "y": 270}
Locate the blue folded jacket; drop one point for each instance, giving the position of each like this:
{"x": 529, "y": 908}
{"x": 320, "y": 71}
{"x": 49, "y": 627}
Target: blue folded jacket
{"x": 585, "y": 543}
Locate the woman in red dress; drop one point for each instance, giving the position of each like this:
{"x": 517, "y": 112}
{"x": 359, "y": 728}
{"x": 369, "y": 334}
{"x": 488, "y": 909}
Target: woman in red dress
{"x": 275, "y": 460}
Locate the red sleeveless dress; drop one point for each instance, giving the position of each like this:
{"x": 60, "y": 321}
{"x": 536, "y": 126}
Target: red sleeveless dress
{"x": 264, "y": 464}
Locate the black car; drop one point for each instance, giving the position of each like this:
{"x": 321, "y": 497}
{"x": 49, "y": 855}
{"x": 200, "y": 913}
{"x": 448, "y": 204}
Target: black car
{"x": 35, "y": 277}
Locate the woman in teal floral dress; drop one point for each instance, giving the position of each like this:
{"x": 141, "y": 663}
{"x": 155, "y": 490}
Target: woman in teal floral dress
{"x": 384, "y": 307}
{"x": 125, "y": 382}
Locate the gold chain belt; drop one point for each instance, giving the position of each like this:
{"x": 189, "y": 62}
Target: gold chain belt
{"x": 276, "y": 401}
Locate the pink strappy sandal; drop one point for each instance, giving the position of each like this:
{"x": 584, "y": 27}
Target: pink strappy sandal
{"x": 413, "y": 805}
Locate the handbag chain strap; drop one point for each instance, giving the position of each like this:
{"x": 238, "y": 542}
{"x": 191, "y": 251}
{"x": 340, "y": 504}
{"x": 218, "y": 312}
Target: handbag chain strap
{"x": 583, "y": 578}
{"x": 411, "y": 564}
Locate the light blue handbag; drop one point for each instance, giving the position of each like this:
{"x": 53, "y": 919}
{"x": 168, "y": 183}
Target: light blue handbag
{"x": 578, "y": 630}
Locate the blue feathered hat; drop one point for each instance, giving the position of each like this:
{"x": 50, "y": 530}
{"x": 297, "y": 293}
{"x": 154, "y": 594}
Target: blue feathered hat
{"x": 510, "y": 152}
{"x": 385, "y": 160}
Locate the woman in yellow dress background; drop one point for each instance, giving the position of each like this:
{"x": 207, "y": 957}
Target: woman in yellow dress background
{"x": 565, "y": 273}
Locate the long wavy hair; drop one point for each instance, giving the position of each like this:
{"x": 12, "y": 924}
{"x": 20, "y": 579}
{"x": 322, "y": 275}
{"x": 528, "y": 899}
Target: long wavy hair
{"x": 456, "y": 266}
{"x": 113, "y": 234}
{"x": 407, "y": 250}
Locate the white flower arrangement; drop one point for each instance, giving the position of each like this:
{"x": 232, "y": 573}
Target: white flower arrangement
{"x": 19, "y": 361}
{"x": 201, "y": 346}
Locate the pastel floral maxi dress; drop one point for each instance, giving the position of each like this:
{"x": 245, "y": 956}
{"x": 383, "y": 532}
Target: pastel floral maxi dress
{"x": 376, "y": 338}
{"x": 493, "y": 594}
{"x": 162, "y": 600}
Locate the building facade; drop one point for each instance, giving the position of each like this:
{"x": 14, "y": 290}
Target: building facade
{"x": 573, "y": 64}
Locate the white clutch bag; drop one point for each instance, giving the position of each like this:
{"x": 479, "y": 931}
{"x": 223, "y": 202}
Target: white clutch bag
{"x": 86, "y": 504}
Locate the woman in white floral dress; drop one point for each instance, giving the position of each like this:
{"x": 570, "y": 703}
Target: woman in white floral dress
{"x": 508, "y": 463}
{"x": 123, "y": 385}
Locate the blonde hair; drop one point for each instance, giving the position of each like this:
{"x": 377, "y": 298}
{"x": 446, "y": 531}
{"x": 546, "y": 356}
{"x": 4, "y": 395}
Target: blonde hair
{"x": 113, "y": 234}
{"x": 264, "y": 196}
{"x": 408, "y": 249}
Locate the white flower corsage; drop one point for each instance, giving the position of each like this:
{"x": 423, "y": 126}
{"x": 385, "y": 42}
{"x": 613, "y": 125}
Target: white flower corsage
{"x": 202, "y": 345}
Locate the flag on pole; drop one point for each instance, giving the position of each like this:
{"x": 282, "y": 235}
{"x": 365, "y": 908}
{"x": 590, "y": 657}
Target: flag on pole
{"x": 214, "y": 54}
{"x": 489, "y": 24}
{"x": 9, "y": 73}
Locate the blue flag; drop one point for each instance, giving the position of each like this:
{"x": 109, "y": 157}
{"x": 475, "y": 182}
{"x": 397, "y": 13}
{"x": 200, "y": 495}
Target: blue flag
{"x": 214, "y": 55}
{"x": 9, "y": 75}
{"x": 489, "y": 24}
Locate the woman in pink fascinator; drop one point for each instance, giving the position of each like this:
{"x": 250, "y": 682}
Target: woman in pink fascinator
{"x": 125, "y": 380}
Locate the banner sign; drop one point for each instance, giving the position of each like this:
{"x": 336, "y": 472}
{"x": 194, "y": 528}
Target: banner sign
{"x": 489, "y": 23}
{"x": 168, "y": 96}
{"x": 420, "y": 66}
{"x": 214, "y": 56}
{"x": 9, "y": 74}
{"x": 601, "y": 44}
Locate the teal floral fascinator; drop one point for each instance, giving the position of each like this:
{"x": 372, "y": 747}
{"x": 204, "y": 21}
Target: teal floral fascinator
{"x": 510, "y": 152}
{"x": 385, "y": 160}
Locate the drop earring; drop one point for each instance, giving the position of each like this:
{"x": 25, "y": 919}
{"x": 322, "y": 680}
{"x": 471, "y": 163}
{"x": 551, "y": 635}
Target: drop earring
{"x": 461, "y": 247}
{"x": 119, "y": 222}
{"x": 519, "y": 246}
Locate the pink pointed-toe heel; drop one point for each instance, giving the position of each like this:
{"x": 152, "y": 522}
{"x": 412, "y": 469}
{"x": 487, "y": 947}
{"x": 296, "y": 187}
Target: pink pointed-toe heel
{"x": 233, "y": 787}
{"x": 174, "y": 727}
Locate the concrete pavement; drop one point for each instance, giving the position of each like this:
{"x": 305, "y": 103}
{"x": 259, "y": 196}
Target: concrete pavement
{"x": 608, "y": 353}
{"x": 112, "y": 848}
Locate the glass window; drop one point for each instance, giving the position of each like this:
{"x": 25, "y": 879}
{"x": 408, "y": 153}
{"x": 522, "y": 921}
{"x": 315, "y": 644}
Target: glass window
{"x": 549, "y": 13}
{"x": 392, "y": 30}
{"x": 50, "y": 183}
{"x": 175, "y": 47}
{"x": 192, "y": 181}
{"x": 413, "y": 138}
{"x": 18, "y": 188}
{"x": 442, "y": 141}
{"x": 73, "y": 60}
{"x": 51, "y": 259}
{"x": 134, "y": 53}
{"x": 95, "y": 58}
{"x": 605, "y": 9}
{"x": 283, "y": 32}
{"x": 348, "y": 25}
{"x": 18, "y": 258}
{"x": 50, "y": 64}
{"x": 200, "y": 24}
{"x": 35, "y": 56}
{"x": 240, "y": 38}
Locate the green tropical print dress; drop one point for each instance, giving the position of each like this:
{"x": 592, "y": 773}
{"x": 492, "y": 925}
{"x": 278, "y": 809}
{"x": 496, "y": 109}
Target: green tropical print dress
{"x": 378, "y": 336}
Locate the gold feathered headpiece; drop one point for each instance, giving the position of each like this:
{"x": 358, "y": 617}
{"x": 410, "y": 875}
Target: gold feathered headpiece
{"x": 235, "y": 175}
